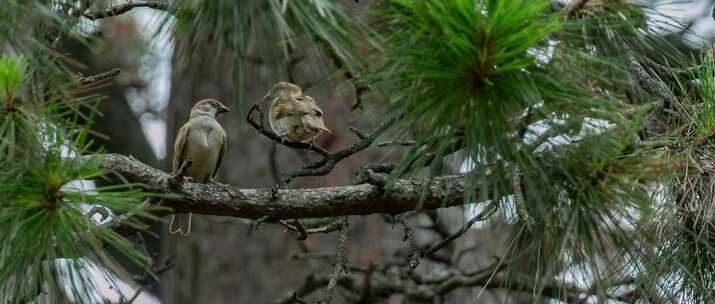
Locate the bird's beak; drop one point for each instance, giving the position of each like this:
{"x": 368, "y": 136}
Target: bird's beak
{"x": 223, "y": 109}
{"x": 268, "y": 95}
{"x": 324, "y": 128}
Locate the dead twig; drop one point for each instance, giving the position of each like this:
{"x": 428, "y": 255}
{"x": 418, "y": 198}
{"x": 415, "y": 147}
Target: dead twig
{"x": 267, "y": 132}
{"x": 99, "y": 77}
{"x": 488, "y": 211}
{"x": 329, "y": 160}
{"x": 303, "y": 231}
{"x": 404, "y": 143}
{"x": 414, "y": 254}
{"x": 327, "y": 164}
{"x": 340, "y": 263}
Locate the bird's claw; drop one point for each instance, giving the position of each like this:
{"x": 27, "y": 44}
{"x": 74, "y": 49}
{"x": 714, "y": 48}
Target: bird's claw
{"x": 178, "y": 180}
{"x": 274, "y": 192}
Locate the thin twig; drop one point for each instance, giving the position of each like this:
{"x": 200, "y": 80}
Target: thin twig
{"x": 340, "y": 262}
{"x": 303, "y": 231}
{"x": 518, "y": 196}
{"x": 359, "y": 133}
{"x": 654, "y": 87}
{"x": 326, "y": 165}
{"x": 297, "y": 226}
{"x": 414, "y": 255}
{"x": 477, "y": 218}
{"x": 260, "y": 127}
{"x": 404, "y": 143}
{"x": 99, "y": 77}
{"x": 329, "y": 160}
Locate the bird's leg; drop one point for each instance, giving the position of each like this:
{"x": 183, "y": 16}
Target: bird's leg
{"x": 274, "y": 192}
{"x": 213, "y": 181}
{"x": 282, "y": 136}
{"x": 180, "y": 176}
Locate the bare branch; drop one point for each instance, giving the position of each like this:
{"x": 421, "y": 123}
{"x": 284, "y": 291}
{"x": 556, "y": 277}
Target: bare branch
{"x": 329, "y": 160}
{"x": 650, "y": 84}
{"x": 340, "y": 262}
{"x": 303, "y": 231}
{"x": 359, "y": 133}
{"x": 414, "y": 255}
{"x": 311, "y": 284}
{"x": 404, "y": 143}
{"x": 477, "y": 218}
{"x": 325, "y": 165}
{"x": 99, "y": 77}
{"x": 126, "y": 7}
{"x": 260, "y": 127}
{"x": 219, "y": 199}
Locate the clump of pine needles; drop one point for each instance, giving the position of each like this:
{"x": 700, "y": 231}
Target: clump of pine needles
{"x": 43, "y": 218}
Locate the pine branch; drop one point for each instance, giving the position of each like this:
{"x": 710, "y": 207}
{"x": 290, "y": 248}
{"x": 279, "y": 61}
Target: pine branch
{"x": 286, "y": 204}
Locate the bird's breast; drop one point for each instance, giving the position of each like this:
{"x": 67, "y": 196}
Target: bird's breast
{"x": 203, "y": 146}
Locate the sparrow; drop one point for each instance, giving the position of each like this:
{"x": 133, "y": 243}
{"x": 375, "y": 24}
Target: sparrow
{"x": 203, "y": 140}
{"x": 283, "y": 89}
{"x": 285, "y": 110}
{"x": 293, "y": 116}
{"x": 311, "y": 122}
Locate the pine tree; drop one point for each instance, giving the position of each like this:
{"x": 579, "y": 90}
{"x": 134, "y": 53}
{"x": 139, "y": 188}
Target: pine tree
{"x": 579, "y": 119}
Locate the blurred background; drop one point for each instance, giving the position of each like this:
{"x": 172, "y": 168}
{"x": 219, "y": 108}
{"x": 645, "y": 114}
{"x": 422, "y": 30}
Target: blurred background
{"x": 225, "y": 260}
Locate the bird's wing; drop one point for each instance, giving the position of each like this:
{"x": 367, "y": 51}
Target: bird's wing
{"x": 220, "y": 155}
{"x": 316, "y": 122}
{"x": 179, "y": 145}
{"x": 281, "y": 109}
{"x": 314, "y": 106}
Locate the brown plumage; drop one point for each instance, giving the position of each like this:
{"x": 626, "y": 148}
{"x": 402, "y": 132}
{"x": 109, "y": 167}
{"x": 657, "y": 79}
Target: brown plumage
{"x": 203, "y": 140}
{"x": 293, "y": 116}
{"x": 311, "y": 122}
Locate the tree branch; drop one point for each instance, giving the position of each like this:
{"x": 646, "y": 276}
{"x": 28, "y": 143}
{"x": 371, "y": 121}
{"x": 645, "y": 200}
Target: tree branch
{"x": 219, "y": 199}
{"x": 327, "y": 164}
{"x": 126, "y": 7}
{"x": 260, "y": 127}
{"x": 329, "y": 159}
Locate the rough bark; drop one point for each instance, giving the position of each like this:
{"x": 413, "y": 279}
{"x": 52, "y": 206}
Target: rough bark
{"x": 220, "y": 199}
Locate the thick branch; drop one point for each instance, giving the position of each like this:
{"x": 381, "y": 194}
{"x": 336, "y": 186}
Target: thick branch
{"x": 219, "y": 199}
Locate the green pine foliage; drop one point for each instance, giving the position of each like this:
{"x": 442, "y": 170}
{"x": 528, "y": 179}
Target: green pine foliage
{"x": 548, "y": 107}
{"x": 42, "y": 218}
{"x": 275, "y": 31}
{"x": 476, "y": 76}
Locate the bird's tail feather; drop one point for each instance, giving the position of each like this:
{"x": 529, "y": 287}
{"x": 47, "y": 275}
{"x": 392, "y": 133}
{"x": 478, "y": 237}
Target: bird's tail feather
{"x": 180, "y": 223}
